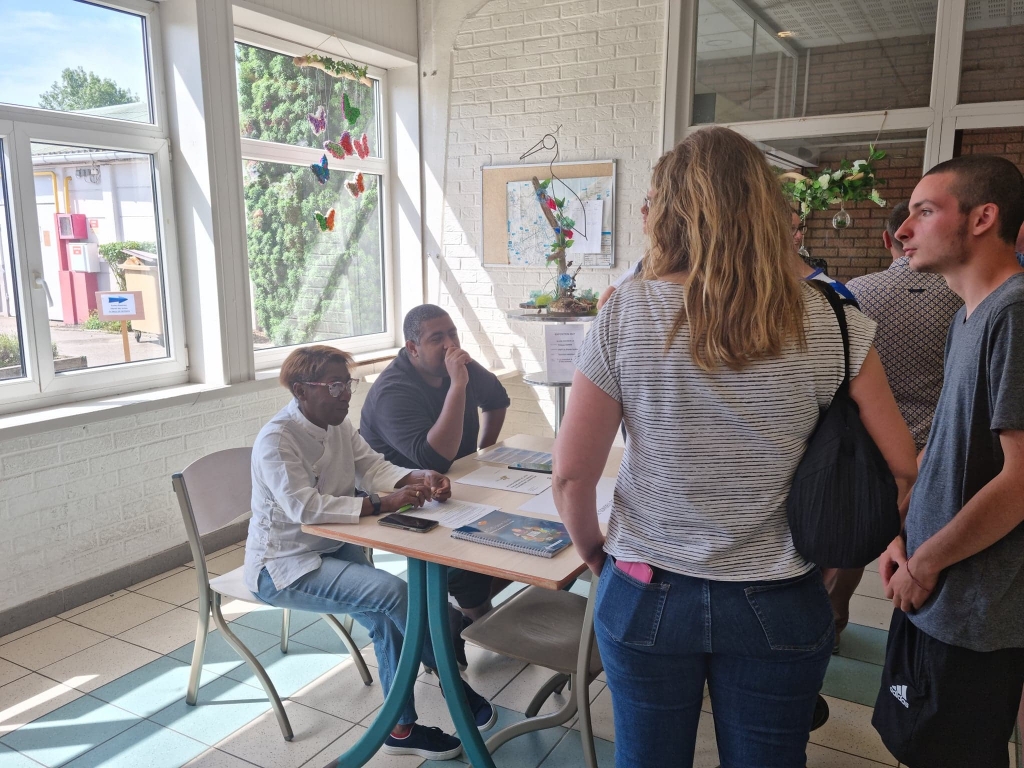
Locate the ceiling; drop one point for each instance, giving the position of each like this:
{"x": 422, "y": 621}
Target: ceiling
{"x": 725, "y": 27}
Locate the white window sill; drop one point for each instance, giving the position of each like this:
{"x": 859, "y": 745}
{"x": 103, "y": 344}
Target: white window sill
{"x": 90, "y": 411}
{"x": 33, "y": 422}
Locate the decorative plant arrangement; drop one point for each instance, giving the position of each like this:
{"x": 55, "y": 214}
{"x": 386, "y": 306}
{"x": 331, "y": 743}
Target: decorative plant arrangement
{"x": 563, "y": 300}
{"x": 850, "y": 183}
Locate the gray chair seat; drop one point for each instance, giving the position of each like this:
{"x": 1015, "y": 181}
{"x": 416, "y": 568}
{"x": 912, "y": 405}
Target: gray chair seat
{"x": 538, "y": 626}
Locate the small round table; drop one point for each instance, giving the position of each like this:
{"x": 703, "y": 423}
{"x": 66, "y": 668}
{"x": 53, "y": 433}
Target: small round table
{"x": 541, "y": 378}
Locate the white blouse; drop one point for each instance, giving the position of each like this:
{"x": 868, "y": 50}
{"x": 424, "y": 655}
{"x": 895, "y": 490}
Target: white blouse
{"x": 305, "y": 475}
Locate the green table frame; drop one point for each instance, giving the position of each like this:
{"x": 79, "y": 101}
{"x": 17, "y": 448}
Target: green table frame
{"x": 428, "y": 607}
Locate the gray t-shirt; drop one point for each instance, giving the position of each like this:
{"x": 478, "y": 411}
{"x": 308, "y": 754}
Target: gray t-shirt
{"x": 979, "y": 602}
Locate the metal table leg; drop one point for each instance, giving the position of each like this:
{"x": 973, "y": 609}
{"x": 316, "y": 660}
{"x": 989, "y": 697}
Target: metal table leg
{"x": 405, "y": 676}
{"x": 559, "y": 407}
{"x": 447, "y": 670}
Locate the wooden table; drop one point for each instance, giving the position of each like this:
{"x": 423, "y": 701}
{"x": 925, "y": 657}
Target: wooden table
{"x": 429, "y": 556}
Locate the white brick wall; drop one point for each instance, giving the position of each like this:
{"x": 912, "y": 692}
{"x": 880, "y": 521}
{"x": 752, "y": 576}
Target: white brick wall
{"x": 82, "y": 501}
{"x": 519, "y": 69}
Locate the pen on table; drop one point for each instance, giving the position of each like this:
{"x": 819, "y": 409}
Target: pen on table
{"x": 405, "y": 508}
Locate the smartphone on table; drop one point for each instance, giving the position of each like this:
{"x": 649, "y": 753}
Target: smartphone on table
{"x": 408, "y": 523}
{"x": 529, "y": 467}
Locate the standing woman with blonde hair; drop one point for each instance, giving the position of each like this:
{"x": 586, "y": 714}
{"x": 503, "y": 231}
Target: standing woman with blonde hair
{"x": 718, "y": 362}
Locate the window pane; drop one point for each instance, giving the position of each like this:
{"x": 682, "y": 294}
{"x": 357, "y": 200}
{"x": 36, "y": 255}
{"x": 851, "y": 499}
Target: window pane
{"x": 12, "y": 364}
{"x": 857, "y": 249}
{"x": 74, "y": 57}
{"x": 761, "y": 59}
{"x": 275, "y": 98}
{"x": 307, "y": 284}
{"x": 99, "y": 232}
{"x": 992, "y": 63}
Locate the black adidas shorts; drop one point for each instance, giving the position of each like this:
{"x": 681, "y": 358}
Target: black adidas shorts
{"x": 941, "y": 706}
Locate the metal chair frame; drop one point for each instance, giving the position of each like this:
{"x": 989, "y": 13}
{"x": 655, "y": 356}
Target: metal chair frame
{"x": 234, "y": 504}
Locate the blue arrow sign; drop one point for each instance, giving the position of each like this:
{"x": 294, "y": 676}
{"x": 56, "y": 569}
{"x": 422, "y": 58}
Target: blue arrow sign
{"x": 117, "y": 299}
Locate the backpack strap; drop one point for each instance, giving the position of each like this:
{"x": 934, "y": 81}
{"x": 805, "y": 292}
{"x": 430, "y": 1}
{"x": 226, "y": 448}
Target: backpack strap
{"x": 836, "y": 302}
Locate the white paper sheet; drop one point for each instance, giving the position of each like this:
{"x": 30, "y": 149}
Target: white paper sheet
{"x": 589, "y": 241}
{"x": 545, "y": 503}
{"x": 501, "y": 454}
{"x": 507, "y": 480}
{"x": 561, "y": 343}
{"x": 451, "y": 513}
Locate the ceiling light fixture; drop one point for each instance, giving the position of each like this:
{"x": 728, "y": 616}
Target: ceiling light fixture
{"x": 785, "y": 33}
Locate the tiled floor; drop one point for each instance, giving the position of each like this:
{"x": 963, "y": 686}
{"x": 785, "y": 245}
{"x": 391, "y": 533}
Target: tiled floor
{"x": 104, "y": 685}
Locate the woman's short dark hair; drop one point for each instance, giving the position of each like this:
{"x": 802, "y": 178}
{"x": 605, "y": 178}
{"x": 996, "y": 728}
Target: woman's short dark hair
{"x": 309, "y": 364}
{"x": 981, "y": 179}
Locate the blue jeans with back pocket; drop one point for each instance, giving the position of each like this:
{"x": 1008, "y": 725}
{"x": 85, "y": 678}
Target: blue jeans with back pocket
{"x": 762, "y": 647}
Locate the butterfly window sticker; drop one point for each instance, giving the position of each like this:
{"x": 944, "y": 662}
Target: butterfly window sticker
{"x": 319, "y": 121}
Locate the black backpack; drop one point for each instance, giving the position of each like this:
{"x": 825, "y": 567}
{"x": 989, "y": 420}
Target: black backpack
{"x": 842, "y": 506}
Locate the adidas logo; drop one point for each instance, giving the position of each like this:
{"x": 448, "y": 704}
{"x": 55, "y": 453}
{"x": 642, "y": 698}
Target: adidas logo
{"x": 900, "y": 692}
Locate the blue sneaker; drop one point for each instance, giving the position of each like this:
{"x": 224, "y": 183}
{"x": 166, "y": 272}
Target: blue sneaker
{"x": 484, "y": 713}
{"x": 428, "y": 743}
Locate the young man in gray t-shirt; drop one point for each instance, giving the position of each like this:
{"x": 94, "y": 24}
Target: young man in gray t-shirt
{"x": 955, "y": 661}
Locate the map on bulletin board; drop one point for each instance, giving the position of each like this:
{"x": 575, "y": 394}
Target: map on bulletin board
{"x": 530, "y": 234}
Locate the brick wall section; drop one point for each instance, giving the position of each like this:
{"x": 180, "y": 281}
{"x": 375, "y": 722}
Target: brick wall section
{"x": 1005, "y": 142}
{"x": 520, "y": 69}
{"x": 993, "y": 65}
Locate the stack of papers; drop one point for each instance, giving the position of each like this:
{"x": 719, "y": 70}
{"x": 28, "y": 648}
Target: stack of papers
{"x": 507, "y": 480}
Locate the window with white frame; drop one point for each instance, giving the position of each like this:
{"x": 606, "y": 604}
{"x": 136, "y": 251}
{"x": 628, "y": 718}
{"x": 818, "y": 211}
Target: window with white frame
{"x": 314, "y": 172}
{"x": 86, "y": 234}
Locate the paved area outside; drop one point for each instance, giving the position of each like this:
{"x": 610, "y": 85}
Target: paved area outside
{"x": 99, "y": 348}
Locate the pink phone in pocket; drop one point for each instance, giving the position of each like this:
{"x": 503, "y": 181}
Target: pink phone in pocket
{"x": 639, "y": 571}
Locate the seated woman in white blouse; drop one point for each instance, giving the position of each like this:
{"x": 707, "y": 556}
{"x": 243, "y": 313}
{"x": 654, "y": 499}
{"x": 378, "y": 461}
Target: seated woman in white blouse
{"x": 306, "y": 465}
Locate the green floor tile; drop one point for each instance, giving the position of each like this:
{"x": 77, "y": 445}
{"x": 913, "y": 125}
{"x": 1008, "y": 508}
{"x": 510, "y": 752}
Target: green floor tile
{"x": 224, "y": 706}
{"x": 220, "y": 658}
{"x": 69, "y": 731}
{"x": 568, "y": 753}
{"x": 292, "y": 671}
{"x": 145, "y": 745}
{"x": 269, "y": 620}
{"x": 320, "y": 635}
{"x": 852, "y": 680}
{"x": 863, "y": 644}
{"x": 150, "y": 688}
{"x": 11, "y": 759}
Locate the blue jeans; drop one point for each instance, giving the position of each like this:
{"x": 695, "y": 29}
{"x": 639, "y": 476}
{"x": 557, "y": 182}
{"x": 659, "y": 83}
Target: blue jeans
{"x": 346, "y": 582}
{"x": 762, "y": 647}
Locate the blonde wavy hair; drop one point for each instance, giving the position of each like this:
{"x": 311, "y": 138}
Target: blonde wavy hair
{"x": 718, "y": 214}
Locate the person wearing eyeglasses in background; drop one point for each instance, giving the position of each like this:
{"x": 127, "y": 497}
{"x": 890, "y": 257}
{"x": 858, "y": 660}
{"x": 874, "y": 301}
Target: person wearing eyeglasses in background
{"x": 307, "y": 463}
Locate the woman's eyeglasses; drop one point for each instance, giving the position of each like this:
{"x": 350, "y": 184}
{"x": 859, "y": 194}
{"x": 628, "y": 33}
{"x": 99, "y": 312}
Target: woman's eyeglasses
{"x": 336, "y": 388}
{"x": 802, "y": 228}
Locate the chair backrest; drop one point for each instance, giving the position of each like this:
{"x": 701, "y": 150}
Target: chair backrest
{"x": 212, "y": 491}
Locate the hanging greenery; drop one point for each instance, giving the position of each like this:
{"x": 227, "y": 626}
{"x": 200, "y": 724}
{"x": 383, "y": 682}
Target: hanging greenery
{"x": 334, "y": 67}
{"x": 850, "y": 183}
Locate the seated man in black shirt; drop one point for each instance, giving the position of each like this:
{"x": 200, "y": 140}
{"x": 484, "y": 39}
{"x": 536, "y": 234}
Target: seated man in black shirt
{"x": 422, "y": 412}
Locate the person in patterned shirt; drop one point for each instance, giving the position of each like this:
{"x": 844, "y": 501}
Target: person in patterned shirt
{"x": 913, "y": 311}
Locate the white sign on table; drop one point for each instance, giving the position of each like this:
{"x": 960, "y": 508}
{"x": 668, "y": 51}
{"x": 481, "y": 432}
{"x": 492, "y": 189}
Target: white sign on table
{"x": 561, "y": 343}
{"x": 544, "y": 503}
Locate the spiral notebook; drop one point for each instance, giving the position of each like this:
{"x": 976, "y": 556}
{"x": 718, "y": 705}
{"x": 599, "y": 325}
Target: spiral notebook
{"x": 519, "y": 533}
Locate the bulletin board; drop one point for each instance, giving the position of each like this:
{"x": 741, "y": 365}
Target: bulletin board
{"x": 526, "y": 247}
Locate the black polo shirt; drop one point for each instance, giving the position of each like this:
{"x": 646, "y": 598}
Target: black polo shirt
{"x": 401, "y": 408}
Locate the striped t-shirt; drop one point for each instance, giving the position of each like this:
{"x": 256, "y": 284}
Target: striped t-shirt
{"x": 710, "y": 457}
